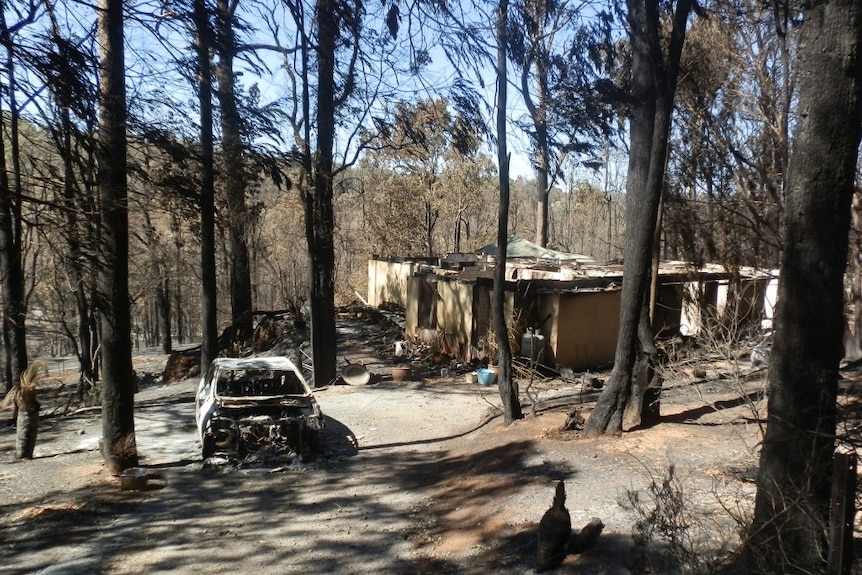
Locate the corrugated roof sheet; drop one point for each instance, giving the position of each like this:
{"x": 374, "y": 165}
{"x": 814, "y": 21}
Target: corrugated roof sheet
{"x": 517, "y": 247}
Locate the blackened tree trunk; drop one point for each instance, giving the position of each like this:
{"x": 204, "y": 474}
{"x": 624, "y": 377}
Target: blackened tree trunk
{"x": 793, "y": 483}
{"x": 209, "y": 326}
{"x": 653, "y": 86}
{"x": 119, "y": 447}
{"x": 26, "y": 430}
{"x": 432, "y": 214}
{"x": 506, "y": 385}
{"x": 14, "y": 341}
{"x": 179, "y": 319}
{"x": 77, "y": 198}
{"x": 162, "y": 291}
{"x": 87, "y": 376}
{"x": 76, "y": 264}
{"x": 11, "y": 250}
{"x": 163, "y": 311}
{"x": 642, "y": 408}
{"x": 234, "y": 176}
{"x": 319, "y": 215}
{"x": 175, "y": 294}
{"x": 853, "y": 340}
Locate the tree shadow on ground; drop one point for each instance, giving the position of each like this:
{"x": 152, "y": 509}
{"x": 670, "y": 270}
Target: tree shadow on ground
{"x": 516, "y": 552}
{"x": 29, "y": 530}
{"x": 691, "y": 415}
{"x": 338, "y": 439}
{"x": 347, "y": 511}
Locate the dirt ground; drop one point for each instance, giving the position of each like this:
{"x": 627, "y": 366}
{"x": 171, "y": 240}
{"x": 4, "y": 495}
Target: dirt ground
{"x": 416, "y": 477}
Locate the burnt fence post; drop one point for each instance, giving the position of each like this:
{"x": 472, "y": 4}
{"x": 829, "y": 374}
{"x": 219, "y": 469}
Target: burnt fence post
{"x": 841, "y": 514}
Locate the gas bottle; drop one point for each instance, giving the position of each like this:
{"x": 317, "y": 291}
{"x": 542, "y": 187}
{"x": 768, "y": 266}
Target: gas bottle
{"x": 532, "y": 345}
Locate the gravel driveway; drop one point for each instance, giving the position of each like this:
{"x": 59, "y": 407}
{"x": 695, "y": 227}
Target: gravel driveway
{"x": 415, "y": 479}
{"x": 349, "y": 511}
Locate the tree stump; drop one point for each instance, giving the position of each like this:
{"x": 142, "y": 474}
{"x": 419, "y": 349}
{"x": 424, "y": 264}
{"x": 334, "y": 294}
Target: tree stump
{"x": 27, "y": 429}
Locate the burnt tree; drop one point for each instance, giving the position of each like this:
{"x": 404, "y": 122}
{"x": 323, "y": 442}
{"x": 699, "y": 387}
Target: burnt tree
{"x": 507, "y": 386}
{"x": 209, "y": 326}
{"x": 234, "y": 174}
{"x": 788, "y": 534}
{"x": 11, "y": 250}
{"x": 67, "y": 71}
{"x": 653, "y": 85}
{"x": 319, "y": 214}
{"x": 119, "y": 448}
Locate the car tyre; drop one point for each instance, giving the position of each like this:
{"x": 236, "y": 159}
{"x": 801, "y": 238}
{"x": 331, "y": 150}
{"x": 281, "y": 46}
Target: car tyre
{"x": 208, "y": 446}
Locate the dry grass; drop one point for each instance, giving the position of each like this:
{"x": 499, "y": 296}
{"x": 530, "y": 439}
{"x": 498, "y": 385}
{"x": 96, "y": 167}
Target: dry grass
{"x": 23, "y": 395}
{"x": 677, "y": 530}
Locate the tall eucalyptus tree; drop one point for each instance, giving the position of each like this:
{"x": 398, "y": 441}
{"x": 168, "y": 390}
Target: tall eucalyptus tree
{"x": 653, "y": 84}
{"x": 333, "y": 89}
{"x": 556, "y": 48}
{"x": 119, "y": 446}
{"x": 234, "y": 170}
{"x": 67, "y": 71}
{"x": 209, "y": 296}
{"x": 792, "y": 506}
{"x": 11, "y": 197}
{"x": 507, "y": 387}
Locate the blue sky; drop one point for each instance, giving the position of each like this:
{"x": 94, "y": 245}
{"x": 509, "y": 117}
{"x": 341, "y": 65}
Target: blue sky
{"x": 151, "y": 69}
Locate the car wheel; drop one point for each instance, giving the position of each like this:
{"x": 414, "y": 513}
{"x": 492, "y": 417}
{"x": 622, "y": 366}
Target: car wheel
{"x": 311, "y": 445}
{"x": 208, "y": 446}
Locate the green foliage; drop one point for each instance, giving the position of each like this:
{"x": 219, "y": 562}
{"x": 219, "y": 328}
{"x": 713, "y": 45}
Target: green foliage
{"x": 562, "y": 54}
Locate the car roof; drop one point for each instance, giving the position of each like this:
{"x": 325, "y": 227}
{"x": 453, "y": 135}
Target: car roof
{"x": 268, "y": 362}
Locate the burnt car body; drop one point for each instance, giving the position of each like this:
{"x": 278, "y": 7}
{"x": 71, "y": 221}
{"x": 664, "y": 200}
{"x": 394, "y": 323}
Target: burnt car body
{"x": 245, "y": 405}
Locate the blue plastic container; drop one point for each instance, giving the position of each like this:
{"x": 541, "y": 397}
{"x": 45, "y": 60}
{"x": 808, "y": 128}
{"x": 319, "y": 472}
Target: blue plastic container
{"x": 486, "y": 376}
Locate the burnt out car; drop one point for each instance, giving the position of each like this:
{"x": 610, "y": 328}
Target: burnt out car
{"x": 244, "y": 405}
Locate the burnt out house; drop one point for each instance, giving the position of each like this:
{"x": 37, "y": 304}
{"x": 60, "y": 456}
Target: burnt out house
{"x": 567, "y": 304}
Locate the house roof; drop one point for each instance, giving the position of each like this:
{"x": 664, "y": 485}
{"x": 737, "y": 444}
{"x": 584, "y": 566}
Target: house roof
{"x": 517, "y": 247}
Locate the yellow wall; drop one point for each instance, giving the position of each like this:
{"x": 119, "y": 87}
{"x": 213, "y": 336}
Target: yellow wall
{"x": 415, "y": 288}
{"x": 580, "y": 334}
{"x": 387, "y": 282}
{"x": 455, "y": 310}
{"x": 461, "y": 312}
{"x": 584, "y": 334}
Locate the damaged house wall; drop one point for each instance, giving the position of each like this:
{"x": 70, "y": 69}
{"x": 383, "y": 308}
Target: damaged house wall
{"x": 706, "y": 301}
{"x": 454, "y": 314}
{"x": 387, "y": 280}
{"x": 582, "y": 331}
{"x": 578, "y": 317}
